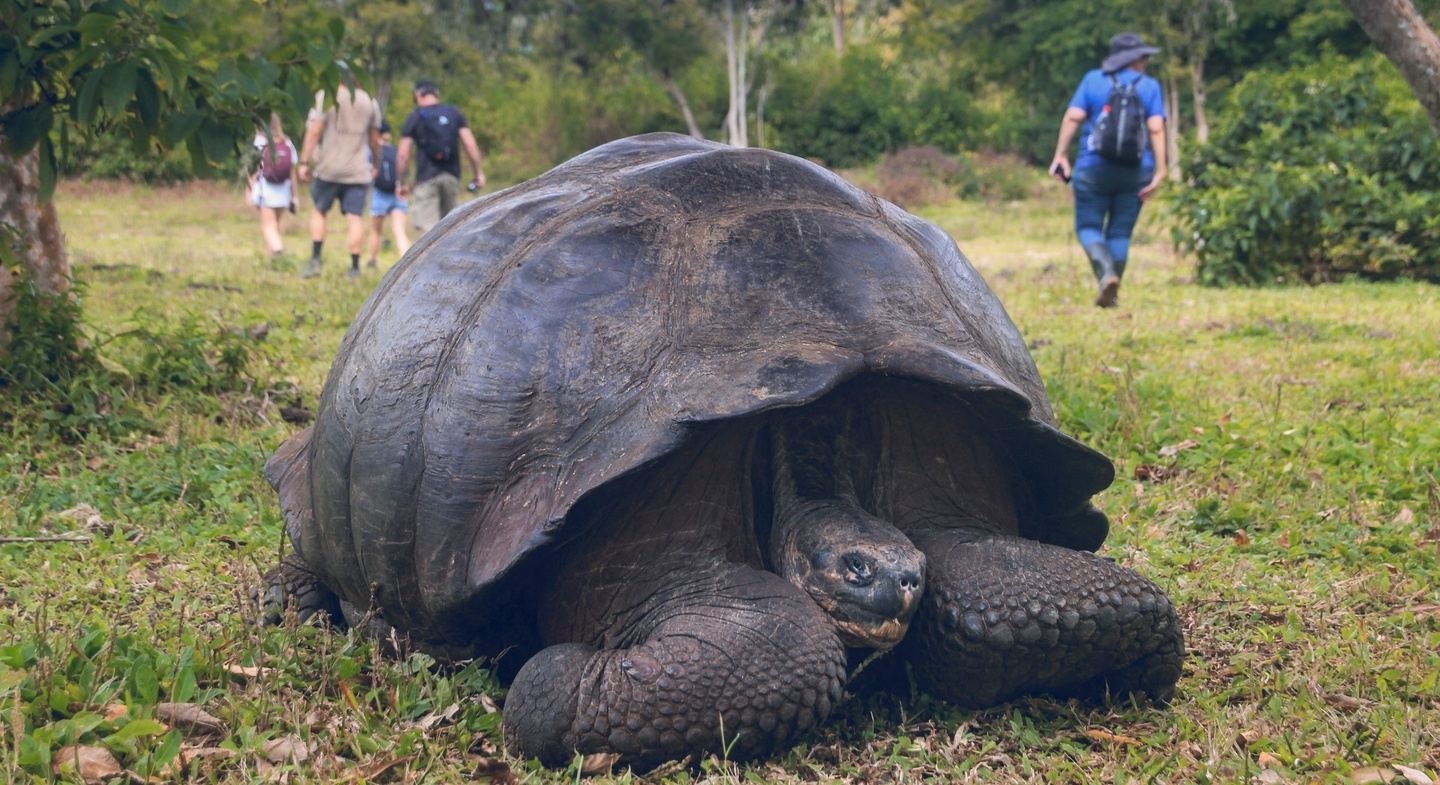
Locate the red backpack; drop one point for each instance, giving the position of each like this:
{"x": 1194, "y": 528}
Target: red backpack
{"x": 276, "y": 162}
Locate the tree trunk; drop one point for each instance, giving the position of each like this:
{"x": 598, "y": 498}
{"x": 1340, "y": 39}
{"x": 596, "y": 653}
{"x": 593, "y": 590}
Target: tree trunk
{"x": 1399, "y": 31}
{"x": 1172, "y": 125}
{"x": 837, "y": 25}
{"x": 673, "y": 88}
{"x": 42, "y": 255}
{"x": 742, "y": 88}
{"x": 1197, "y": 92}
{"x": 760, "y": 114}
{"x": 732, "y": 133}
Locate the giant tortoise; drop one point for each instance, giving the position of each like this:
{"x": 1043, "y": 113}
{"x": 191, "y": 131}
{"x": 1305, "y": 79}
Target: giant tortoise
{"x": 684, "y": 424}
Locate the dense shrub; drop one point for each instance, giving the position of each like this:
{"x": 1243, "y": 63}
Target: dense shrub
{"x": 852, "y": 111}
{"x": 917, "y": 176}
{"x": 1314, "y": 174}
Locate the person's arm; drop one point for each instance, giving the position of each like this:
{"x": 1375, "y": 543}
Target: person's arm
{"x": 307, "y": 149}
{"x": 1156, "y": 126}
{"x": 402, "y": 164}
{"x": 472, "y": 151}
{"x": 374, "y": 152}
{"x": 1069, "y": 125}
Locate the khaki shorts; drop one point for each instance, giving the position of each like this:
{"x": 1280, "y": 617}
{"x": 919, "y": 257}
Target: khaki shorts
{"x": 433, "y": 199}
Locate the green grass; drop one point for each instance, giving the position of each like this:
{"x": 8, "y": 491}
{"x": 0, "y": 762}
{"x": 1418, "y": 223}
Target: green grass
{"x": 1277, "y": 451}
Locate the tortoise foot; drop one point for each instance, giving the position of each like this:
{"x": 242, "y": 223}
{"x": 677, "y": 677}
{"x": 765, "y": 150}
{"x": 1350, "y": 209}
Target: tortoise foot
{"x": 1004, "y": 617}
{"x": 291, "y": 584}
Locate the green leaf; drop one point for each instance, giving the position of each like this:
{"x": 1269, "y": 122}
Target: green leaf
{"x": 144, "y": 684}
{"x": 49, "y": 33}
{"x": 216, "y": 140}
{"x": 47, "y": 169}
{"x": 119, "y": 86}
{"x": 337, "y": 29}
{"x": 94, "y": 26}
{"x": 134, "y": 729}
{"x": 183, "y": 127}
{"x": 9, "y": 72}
{"x": 174, "y": 7}
{"x": 89, "y": 95}
{"x": 26, "y": 126}
{"x": 147, "y": 100}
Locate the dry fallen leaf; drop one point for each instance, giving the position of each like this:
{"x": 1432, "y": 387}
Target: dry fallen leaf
{"x": 1268, "y": 761}
{"x": 1245, "y": 738}
{"x": 373, "y": 771}
{"x": 1171, "y": 450}
{"x": 114, "y": 711}
{"x": 93, "y": 764}
{"x": 192, "y": 719}
{"x": 1115, "y": 738}
{"x": 286, "y": 748}
{"x": 1371, "y": 775}
{"x": 1405, "y": 517}
{"x": 247, "y": 671}
{"x": 1346, "y": 702}
{"x": 205, "y": 754}
{"x": 1415, "y": 776}
{"x": 598, "y": 762}
{"x": 1242, "y": 540}
{"x": 488, "y": 704}
{"x": 1270, "y": 777}
{"x": 493, "y": 771}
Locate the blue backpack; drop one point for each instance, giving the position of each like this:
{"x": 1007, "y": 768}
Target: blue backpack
{"x": 1120, "y": 132}
{"x": 385, "y": 180}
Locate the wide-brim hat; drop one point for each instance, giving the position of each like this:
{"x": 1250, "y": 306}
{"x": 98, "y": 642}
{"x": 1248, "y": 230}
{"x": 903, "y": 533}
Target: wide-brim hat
{"x": 1125, "y": 49}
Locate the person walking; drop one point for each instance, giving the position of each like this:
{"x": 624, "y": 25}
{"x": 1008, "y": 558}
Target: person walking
{"x": 340, "y": 144}
{"x": 384, "y": 202}
{"x": 1122, "y": 157}
{"x": 271, "y": 187}
{"x": 434, "y": 133}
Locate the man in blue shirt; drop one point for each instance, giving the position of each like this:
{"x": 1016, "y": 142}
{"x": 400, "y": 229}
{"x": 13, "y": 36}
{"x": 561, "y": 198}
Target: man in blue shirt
{"x": 1108, "y": 193}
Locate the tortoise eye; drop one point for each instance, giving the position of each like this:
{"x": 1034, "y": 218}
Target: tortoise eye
{"x": 859, "y": 570}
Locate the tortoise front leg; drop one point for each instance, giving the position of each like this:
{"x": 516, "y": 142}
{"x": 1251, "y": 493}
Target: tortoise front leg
{"x": 732, "y": 664}
{"x": 291, "y": 583}
{"x": 1004, "y": 616}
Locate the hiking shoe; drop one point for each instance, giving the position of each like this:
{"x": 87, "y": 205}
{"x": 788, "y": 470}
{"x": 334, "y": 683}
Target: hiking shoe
{"x": 1109, "y": 295}
{"x": 353, "y": 273}
{"x": 312, "y": 269}
{"x": 373, "y": 264}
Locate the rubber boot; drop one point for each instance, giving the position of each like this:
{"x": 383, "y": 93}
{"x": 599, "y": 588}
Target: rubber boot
{"x": 1106, "y": 275}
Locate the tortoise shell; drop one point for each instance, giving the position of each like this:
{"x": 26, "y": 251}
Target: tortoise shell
{"x": 548, "y": 339}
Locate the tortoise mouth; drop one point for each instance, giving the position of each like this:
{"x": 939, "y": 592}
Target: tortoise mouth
{"x": 863, "y": 629}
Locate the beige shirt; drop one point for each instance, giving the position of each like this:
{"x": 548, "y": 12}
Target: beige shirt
{"x": 344, "y": 152}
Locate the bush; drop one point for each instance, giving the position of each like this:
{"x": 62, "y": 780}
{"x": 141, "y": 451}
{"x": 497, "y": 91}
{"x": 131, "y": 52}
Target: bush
{"x": 54, "y": 382}
{"x": 1314, "y": 174}
{"x": 917, "y": 176}
{"x": 849, "y": 112}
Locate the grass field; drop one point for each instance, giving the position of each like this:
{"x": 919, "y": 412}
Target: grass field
{"x": 1278, "y": 456}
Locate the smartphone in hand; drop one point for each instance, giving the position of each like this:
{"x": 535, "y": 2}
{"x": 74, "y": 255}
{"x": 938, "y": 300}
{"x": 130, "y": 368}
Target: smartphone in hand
{"x": 1057, "y": 171}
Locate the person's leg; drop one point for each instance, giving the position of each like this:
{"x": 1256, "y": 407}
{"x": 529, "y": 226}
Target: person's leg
{"x": 322, "y": 194}
{"x": 377, "y": 225}
{"x": 398, "y": 230}
{"x": 1092, "y": 204}
{"x": 449, "y": 193}
{"x": 352, "y": 206}
{"x": 270, "y": 229}
{"x": 1125, "y": 211}
{"x": 425, "y": 205}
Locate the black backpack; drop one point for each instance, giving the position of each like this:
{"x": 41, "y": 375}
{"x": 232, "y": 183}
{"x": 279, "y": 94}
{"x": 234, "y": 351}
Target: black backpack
{"x": 437, "y": 132}
{"x": 1120, "y": 130}
{"x": 385, "y": 180}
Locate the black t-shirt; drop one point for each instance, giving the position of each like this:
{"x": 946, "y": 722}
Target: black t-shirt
{"x": 444, "y": 116}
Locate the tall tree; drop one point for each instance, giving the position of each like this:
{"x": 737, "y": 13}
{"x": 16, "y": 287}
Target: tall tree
{"x": 121, "y": 68}
{"x": 1402, "y": 34}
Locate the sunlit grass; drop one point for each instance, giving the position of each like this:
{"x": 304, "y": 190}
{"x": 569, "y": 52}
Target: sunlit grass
{"x": 1277, "y": 454}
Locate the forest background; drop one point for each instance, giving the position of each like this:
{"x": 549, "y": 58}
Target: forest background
{"x": 839, "y": 82}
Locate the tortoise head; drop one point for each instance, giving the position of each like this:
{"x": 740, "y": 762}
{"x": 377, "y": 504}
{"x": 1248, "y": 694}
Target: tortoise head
{"x": 859, "y": 569}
